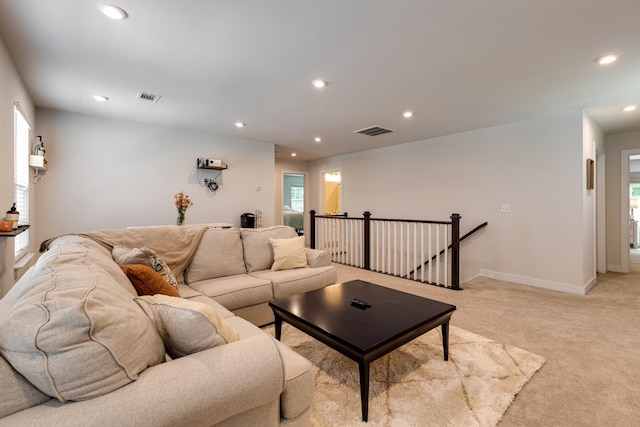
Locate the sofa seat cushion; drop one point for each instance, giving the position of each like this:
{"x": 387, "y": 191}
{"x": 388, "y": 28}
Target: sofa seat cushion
{"x": 236, "y": 291}
{"x": 292, "y": 282}
{"x": 75, "y": 333}
{"x": 219, "y": 254}
{"x": 16, "y": 393}
{"x": 219, "y": 308}
{"x": 299, "y": 380}
{"x": 258, "y": 253}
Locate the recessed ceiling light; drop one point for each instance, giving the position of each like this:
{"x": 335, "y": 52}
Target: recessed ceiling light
{"x": 100, "y": 98}
{"x": 319, "y": 83}
{"x": 293, "y": 154}
{"x": 629, "y": 108}
{"x": 113, "y": 12}
{"x": 407, "y": 114}
{"x": 317, "y": 139}
{"x": 240, "y": 124}
{"x": 607, "y": 59}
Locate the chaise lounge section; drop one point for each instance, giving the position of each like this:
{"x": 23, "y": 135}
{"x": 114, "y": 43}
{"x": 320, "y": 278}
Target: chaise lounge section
{"x": 79, "y": 346}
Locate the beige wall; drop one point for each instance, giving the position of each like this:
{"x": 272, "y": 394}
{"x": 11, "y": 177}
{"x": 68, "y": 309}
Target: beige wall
{"x": 111, "y": 174}
{"x": 537, "y": 167}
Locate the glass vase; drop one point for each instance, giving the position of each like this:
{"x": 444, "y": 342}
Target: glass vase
{"x": 180, "y": 220}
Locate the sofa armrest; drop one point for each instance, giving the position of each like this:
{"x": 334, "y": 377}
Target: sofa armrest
{"x": 201, "y": 389}
{"x": 318, "y": 258}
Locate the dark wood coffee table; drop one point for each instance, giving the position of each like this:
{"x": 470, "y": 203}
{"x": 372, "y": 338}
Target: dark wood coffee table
{"x": 363, "y": 335}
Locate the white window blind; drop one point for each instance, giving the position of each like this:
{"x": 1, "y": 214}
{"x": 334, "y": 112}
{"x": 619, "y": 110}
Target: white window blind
{"x": 21, "y": 178}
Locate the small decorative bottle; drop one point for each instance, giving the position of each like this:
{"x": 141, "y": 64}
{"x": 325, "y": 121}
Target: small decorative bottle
{"x": 12, "y": 215}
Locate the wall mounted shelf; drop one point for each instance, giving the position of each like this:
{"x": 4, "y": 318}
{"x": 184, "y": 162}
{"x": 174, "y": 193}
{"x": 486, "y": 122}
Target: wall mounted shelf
{"x": 14, "y": 233}
{"x": 218, "y": 168}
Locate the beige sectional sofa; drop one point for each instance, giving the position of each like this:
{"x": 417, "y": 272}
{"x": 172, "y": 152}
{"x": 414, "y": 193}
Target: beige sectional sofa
{"x": 80, "y": 347}
{"x": 233, "y": 267}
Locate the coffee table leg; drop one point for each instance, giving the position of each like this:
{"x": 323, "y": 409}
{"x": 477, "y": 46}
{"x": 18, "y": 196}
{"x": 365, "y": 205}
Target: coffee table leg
{"x": 445, "y": 340}
{"x": 278, "y": 324}
{"x": 364, "y": 389}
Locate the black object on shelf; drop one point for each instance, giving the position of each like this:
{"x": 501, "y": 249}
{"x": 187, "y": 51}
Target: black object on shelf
{"x": 247, "y": 220}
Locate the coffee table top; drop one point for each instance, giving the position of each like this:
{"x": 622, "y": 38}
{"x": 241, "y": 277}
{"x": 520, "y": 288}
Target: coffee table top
{"x": 392, "y": 313}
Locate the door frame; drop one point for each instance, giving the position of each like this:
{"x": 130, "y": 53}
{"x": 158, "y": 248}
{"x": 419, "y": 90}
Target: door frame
{"x": 624, "y": 208}
{"x": 280, "y": 208}
{"x": 321, "y": 192}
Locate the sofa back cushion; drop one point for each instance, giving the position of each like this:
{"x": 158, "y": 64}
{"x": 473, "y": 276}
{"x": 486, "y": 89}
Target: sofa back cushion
{"x": 219, "y": 254}
{"x": 74, "y": 332}
{"x": 258, "y": 253}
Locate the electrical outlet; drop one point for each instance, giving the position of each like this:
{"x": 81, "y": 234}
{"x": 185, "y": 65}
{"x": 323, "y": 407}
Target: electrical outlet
{"x": 505, "y": 208}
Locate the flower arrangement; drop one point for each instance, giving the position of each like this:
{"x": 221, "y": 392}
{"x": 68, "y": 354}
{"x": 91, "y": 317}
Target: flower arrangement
{"x": 182, "y": 202}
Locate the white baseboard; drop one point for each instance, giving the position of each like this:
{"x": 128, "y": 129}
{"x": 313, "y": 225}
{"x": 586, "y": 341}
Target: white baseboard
{"x": 614, "y": 268}
{"x": 545, "y": 284}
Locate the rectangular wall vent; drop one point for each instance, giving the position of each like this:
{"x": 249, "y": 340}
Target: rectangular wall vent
{"x": 147, "y": 96}
{"x": 374, "y": 131}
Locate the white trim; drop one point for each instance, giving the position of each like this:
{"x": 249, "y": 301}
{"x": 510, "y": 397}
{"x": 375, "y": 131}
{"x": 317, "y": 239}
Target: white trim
{"x": 614, "y": 268}
{"x": 537, "y": 283}
{"x": 601, "y": 215}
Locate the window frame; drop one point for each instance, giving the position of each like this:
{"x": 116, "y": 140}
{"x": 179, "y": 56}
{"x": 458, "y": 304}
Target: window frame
{"x": 21, "y": 179}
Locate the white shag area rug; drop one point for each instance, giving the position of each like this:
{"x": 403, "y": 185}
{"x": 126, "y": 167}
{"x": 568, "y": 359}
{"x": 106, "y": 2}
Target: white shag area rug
{"x": 413, "y": 385}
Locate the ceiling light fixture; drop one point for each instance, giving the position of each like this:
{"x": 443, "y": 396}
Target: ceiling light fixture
{"x": 317, "y": 139}
{"x": 407, "y": 114}
{"x": 100, "y": 98}
{"x": 319, "y": 83}
{"x": 629, "y": 108}
{"x": 113, "y": 12}
{"x": 293, "y": 154}
{"x": 240, "y": 124}
{"x": 607, "y": 59}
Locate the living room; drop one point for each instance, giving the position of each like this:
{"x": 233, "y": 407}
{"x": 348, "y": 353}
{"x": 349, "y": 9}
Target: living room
{"x": 106, "y": 171}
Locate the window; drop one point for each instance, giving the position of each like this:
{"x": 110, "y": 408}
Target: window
{"x": 21, "y": 178}
{"x": 297, "y": 198}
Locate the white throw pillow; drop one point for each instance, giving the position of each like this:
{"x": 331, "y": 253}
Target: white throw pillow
{"x": 289, "y": 253}
{"x": 186, "y": 327}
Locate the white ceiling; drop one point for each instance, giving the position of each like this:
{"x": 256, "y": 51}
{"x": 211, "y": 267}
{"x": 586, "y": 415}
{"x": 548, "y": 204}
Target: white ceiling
{"x": 459, "y": 64}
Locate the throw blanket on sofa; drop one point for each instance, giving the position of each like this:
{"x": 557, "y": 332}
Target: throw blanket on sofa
{"x": 176, "y": 245}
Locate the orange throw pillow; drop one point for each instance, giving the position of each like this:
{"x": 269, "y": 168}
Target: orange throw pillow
{"x": 147, "y": 281}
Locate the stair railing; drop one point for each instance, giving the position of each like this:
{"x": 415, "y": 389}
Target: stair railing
{"x": 413, "y": 249}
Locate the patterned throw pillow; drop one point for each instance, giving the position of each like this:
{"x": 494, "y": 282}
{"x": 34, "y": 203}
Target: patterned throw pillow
{"x": 145, "y": 256}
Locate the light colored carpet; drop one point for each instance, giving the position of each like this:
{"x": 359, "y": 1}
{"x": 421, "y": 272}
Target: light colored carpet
{"x": 414, "y": 386}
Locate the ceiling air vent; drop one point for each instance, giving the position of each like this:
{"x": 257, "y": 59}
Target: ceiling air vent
{"x": 147, "y": 96}
{"x": 374, "y": 131}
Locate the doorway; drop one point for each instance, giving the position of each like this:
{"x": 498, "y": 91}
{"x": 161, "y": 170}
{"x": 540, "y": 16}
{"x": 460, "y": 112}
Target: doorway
{"x": 294, "y": 200}
{"x": 331, "y": 192}
{"x": 627, "y": 167}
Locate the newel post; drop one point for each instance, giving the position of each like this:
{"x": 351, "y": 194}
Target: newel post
{"x": 367, "y": 240}
{"x": 312, "y": 231}
{"x": 455, "y": 251}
